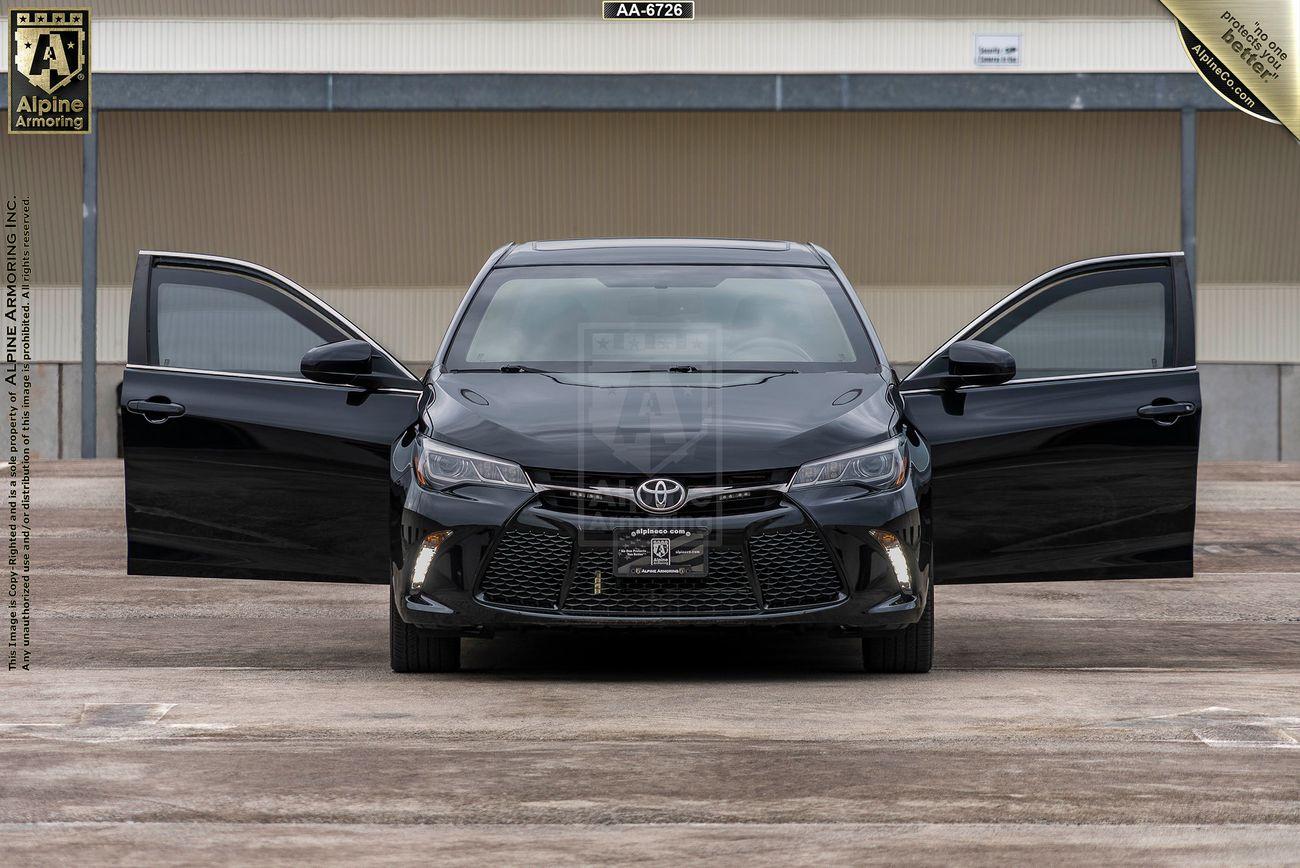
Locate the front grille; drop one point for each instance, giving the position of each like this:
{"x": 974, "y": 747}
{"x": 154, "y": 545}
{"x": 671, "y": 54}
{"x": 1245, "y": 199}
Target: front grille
{"x": 726, "y": 589}
{"x": 588, "y": 504}
{"x": 581, "y": 479}
{"x": 570, "y": 499}
{"x": 738, "y": 503}
{"x": 794, "y": 568}
{"x": 529, "y": 569}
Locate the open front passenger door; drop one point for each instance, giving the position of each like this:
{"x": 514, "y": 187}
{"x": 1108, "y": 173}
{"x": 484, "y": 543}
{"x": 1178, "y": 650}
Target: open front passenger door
{"x": 238, "y": 465}
{"x": 1083, "y": 464}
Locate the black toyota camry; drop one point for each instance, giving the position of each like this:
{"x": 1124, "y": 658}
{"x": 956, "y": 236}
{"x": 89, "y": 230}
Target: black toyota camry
{"x": 636, "y": 433}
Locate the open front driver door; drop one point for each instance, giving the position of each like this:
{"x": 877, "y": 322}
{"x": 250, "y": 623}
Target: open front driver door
{"x": 1083, "y": 465}
{"x": 237, "y": 465}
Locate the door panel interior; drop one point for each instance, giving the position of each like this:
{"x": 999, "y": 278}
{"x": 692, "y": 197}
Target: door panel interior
{"x": 1070, "y": 470}
{"x": 236, "y": 465}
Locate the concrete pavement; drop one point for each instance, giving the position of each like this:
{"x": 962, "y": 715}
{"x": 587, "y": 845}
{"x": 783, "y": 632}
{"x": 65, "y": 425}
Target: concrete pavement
{"x": 202, "y": 721}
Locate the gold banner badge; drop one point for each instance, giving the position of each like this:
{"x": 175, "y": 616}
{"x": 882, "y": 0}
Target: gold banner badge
{"x": 49, "y": 71}
{"x": 1246, "y": 51}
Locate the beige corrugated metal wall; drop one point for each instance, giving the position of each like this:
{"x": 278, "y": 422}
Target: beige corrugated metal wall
{"x": 419, "y": 199}
{"x": 1248, "y": 234}
{"x": 47, "y": 168}
{"x": 933, "y": 215}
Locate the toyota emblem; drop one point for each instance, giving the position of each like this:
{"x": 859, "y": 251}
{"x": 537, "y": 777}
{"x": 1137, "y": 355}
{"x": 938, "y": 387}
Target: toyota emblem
{"x": 660, "y": 495}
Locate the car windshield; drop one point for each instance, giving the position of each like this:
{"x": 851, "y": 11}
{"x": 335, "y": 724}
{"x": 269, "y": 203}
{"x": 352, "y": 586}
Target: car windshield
{"x": 687, "y": 318}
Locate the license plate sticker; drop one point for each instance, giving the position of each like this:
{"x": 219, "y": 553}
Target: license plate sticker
{"x": 661, "y": 551}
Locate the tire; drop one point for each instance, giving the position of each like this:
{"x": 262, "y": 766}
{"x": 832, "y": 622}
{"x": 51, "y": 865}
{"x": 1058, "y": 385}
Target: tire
{"x": 411, "y": 649}
{"x": 908, "y": 650}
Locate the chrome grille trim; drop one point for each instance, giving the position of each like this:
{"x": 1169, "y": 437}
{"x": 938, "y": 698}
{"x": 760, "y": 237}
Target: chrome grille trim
{"x": 692, "y": 494}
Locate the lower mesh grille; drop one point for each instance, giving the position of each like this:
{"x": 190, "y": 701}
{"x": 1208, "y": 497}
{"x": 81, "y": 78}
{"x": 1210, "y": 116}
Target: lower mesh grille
{"x": 527, "y": 569}
{"x": 726, "y": 589}
{"x": 794, "y": 568}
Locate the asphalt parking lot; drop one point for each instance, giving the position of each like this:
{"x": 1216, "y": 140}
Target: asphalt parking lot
{"x": 185, "y": 720}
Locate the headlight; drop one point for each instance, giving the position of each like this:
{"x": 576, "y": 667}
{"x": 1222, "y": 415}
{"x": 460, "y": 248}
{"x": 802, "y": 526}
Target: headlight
{"x": 438, "y": 465}
{"x": 882, "y": 467}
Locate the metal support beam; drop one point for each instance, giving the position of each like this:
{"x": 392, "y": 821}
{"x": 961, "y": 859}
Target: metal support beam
{"x": 1187, "y": 213}
{"x": 977, "y": 91}
{"x": 89, "y": 282}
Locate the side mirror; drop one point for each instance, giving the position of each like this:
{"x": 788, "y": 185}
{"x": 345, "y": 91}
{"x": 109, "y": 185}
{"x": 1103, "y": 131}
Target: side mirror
{"x": 347, "y": 363}
{"x": 976, "y": 363}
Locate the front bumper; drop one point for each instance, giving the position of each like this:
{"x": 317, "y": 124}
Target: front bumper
{"x": 809, "y": 561}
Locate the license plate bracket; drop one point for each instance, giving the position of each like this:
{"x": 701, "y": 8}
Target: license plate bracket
{"x": 661, "y": 552}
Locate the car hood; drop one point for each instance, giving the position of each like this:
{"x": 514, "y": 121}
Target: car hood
{"x": 660, "y": 423}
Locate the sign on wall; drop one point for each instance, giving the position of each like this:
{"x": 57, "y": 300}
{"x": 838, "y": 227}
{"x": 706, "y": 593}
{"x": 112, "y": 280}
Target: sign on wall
{"x": 997, "y": 49}
{"x": 682, "y": 10}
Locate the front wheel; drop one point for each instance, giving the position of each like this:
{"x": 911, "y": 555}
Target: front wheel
{"x": 908, "y": 650}
{"x": 411, "y": 649}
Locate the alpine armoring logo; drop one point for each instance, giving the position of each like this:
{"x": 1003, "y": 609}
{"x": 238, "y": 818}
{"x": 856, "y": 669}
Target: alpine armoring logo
{"x": 49, "y": 71}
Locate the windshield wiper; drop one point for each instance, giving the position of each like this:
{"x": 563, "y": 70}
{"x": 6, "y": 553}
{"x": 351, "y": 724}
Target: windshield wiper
{"x": 521, "y": 369}
{"x": 692, "y": 369}
{"x": 513, "y": 368}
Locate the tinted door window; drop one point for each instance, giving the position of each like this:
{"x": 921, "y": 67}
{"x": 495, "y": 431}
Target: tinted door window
{"x": 217, "y": 321}
{"x": 1119, "y": 320}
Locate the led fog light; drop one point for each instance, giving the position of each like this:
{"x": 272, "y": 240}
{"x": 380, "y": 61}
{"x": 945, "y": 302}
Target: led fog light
{"x": 429, "y": 548}
{"x": 893, "y": 547}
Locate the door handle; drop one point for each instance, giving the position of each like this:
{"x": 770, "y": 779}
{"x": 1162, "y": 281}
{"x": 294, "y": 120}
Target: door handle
{"x": 156, "y": 412}
{"x": 1166, "y": 414}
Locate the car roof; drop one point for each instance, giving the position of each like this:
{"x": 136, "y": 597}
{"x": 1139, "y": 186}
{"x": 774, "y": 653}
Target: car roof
{"x": 661, "y": 251}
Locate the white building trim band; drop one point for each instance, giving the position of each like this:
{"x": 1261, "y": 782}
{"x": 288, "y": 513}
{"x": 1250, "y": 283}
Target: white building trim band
{"x": 773, "y": 45}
